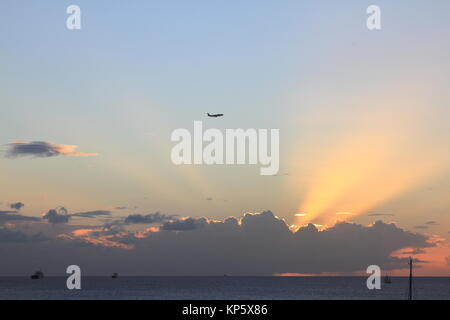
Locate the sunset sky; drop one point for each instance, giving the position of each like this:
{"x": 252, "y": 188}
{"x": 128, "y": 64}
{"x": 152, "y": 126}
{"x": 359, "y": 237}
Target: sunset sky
{"x": 364, "y": 120}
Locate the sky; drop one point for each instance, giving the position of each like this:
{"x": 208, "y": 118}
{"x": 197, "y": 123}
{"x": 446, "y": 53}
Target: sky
{"x": 86, "y": 118}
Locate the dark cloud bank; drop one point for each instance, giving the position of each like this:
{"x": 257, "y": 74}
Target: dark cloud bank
{"x": 15, "y": 236}
{"x": 257, "y": 244}
{"x": 12, "y": 216}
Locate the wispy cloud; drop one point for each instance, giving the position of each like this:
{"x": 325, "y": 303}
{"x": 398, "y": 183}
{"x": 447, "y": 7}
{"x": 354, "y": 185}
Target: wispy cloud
{"x": 61, "y": 215}
{"x": 125, "y": 208}
{"x": 13, "y": 216}
{"x": 148, "y": 218}
{"x": 7, "y": 211}
{"x": 184, "y": 224}
{"x": 17, "y": 205}
{"x": 380, "y": 215}
{"x": 91, "y": 214}
{"x": 43, "y": 149}
{"x": 426, "y": 225}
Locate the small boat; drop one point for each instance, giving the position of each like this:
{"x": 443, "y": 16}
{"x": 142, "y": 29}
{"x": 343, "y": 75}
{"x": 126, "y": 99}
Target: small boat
{"x": 37, "y": 275}
{"x": 387, "y": 279}
{"x": 115, "y": 275}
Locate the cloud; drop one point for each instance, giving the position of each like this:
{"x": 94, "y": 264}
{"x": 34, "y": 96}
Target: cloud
{"x": 17, "y": 205}
{"x": 255, "y": 244}
{"x": 343, "y": 213}
{"x": 100, "y": 236}
{"x": 7, "y": 235}
{"x": 125, "y": 208}
{"x": 264, "y": 244}
{"x": 90, "y": 214}
{"x": 414, "y": 251}
{"x": 426, "y": 225}
{"x": 57, "y": 215}
{"x": 184, "y": 224}
{"x": 42, "y": 149}
{"x": 149, "y": 218}
{"x": 61, "y": 215}
{"x": 263, "y": 223}
{"x": 380, "y": 215}
{"x": 13, "y": 216}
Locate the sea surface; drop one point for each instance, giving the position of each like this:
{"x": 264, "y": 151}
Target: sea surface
{"x": 212, "y": 288}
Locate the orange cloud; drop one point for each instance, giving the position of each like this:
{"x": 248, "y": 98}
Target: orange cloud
{"x": 435, "y": 259}
{"x": 146, "y": 232}
{"x": 84, "y": 232}
{"x": 94, "y": 236}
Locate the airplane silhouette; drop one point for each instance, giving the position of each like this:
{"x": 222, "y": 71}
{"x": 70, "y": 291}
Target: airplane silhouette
{"x": 215, "y": 115}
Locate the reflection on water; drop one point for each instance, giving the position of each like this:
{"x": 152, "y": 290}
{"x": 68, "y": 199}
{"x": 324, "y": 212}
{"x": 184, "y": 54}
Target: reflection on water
{"x": 285, "y": 288}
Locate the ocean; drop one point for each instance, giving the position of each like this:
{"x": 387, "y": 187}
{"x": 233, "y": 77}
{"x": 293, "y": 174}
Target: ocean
{"x": 218, "y": 288}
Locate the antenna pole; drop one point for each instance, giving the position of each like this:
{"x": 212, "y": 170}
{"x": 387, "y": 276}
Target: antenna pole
{"x": 410, "y": 278}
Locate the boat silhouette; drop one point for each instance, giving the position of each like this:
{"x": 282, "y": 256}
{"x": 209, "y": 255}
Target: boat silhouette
{"x": 115, "y": 275}
{"x": 37, "y": 275}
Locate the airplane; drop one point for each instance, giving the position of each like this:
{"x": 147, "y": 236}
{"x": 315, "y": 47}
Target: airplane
{"x": 215, "y": 115}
